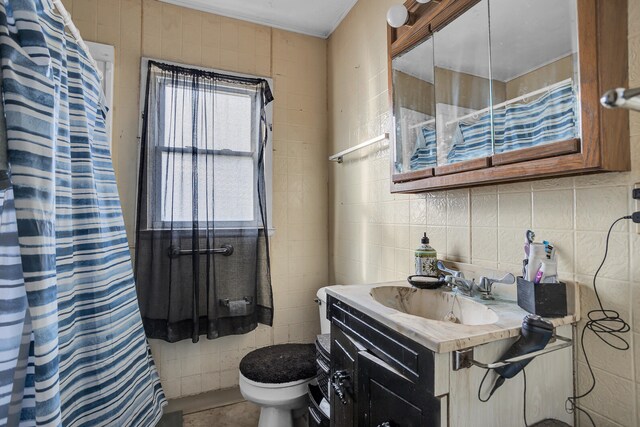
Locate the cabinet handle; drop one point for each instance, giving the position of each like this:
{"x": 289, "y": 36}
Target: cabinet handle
{"x": 338, "y": 379}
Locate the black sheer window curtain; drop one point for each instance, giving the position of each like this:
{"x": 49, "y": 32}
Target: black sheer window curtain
{"x": 202, "y": 243}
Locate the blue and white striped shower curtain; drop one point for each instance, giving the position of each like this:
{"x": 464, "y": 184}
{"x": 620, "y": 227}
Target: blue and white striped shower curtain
{"x": 74, "y": 308}
{"x": 15, "y": 325}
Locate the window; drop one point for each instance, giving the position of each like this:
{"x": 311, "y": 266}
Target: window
{"x": 213, "y": 176}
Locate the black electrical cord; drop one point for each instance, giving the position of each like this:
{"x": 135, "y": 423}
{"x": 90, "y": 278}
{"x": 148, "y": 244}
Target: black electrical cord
{"x": 606, "y": 324}
{"x": 499, "y": 381}
{"x": 524, "y": 398}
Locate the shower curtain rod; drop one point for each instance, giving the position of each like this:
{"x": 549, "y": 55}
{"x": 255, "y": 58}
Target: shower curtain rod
{"x": 510, "y": 101}
{"x": 76, "y": 33}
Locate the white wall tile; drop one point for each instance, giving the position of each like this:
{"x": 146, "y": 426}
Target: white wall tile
{"x": 514, "y": 210}
{"x": 590, "y": 250}
{"x": 484, "y": 210}
{"x": 617, "y": 396}
{"x": 484, "y": 244}
{"x": 553, "y": 209}
{"x": 436, "y": 210}
{"x": 458, "y": 208}
{"x": 598, "y": 207}
{"x": 458, "y": 244}
{"x": 191, "y": 385}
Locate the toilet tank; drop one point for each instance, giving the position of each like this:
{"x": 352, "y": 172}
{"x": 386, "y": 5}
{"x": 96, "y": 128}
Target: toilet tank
{"x": 325, "y": 324}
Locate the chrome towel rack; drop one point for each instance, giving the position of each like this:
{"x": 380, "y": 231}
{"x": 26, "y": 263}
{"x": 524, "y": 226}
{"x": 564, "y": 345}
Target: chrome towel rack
{"x": 338, "y": 156}
{"x": 463, "y": 359}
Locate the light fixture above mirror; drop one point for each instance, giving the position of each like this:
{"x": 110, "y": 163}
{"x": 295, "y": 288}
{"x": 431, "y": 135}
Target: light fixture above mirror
{"x": 398, "y": 15}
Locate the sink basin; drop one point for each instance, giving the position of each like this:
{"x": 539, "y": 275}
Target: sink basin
{"x": 434, "y": 304}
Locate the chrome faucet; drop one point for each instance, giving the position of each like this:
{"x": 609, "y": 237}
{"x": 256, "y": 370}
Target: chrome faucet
{"x": 456, "y": 280}
{"x": 486, "y": 284}
{"x": 468, "y": 287}
{"x": 464, "y": 286}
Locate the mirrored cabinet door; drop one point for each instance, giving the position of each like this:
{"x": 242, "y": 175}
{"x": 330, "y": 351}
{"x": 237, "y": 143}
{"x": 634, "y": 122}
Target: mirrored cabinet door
{"x": 414, "y": 109}
{"x": 463, "y": 87}
{"x": 491, "y": 91}
{"x": 534, "y": 66}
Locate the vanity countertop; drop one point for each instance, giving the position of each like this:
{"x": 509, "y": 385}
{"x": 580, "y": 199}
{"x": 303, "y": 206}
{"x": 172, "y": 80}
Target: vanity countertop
{"x": 441, "y": 336}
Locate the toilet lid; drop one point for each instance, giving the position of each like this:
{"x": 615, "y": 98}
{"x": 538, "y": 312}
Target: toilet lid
{"x": 280, "y": 363}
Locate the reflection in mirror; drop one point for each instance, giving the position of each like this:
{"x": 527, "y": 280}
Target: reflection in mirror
{"x": 535, "y": 67}
{"x": 414, "y": 109}
{"x": 463, "y": 87}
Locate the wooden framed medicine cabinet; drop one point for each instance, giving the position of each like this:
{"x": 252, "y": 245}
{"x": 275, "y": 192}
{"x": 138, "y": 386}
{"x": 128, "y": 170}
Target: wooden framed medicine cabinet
{"x": 506, "y": 90}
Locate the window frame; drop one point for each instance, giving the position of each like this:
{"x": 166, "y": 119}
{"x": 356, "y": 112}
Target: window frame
{"x": 154, "y": 195}
{"x": 106, "y": 54}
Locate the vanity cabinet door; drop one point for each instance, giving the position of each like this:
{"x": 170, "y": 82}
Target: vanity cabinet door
{"x": 343, "y": 379}
{"x": 535, "y": 79}
{"x": 389, "y": 399}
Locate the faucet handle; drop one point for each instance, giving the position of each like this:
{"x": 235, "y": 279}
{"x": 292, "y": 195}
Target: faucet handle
{"x": 508, "y": 279}
{"x": 454, "y": 273}
{"x": 486, "y": 283}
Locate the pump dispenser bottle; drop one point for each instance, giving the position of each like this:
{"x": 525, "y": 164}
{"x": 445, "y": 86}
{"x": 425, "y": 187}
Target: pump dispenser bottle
{"x": 426, "y": 258}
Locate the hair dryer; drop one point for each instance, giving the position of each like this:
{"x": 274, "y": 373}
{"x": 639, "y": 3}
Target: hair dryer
{"x": 536, "y": 333}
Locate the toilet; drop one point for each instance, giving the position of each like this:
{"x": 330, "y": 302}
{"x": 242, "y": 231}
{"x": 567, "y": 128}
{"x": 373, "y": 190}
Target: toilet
{"x": 325, "y": 324}
{"x": 277, "y": 377}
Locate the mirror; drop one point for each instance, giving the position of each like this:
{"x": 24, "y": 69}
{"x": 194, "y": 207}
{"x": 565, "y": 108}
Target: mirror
{"x": 534, "y": 65}
{"x": 463, "y": 87}
{"x": 414, "y": 109}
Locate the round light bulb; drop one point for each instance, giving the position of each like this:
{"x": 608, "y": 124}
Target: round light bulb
{"x": 397, "y": 15}
{"x": 423, "y": 1}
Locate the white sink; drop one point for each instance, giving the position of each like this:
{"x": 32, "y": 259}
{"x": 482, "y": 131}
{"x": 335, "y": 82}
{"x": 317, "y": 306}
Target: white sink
{"x": 434, "y": 304}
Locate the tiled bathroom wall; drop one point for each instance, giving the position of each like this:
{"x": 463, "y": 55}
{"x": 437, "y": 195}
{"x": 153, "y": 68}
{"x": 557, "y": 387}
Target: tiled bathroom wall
{"x": 373, "y": 233}
{"x": 297, "y": 65}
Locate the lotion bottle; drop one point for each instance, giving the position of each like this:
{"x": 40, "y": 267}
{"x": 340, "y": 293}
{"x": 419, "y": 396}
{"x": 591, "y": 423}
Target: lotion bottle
{"x": 426, "y": 258}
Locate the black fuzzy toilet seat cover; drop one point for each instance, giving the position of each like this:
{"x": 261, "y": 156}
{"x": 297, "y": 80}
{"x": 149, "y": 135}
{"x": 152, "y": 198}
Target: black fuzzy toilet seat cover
{"x": 280, "y": 363}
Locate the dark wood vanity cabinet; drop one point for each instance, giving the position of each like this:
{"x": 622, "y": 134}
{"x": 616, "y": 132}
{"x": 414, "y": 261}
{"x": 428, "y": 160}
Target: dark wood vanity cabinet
{"x": 506, "y": 90}
{"x": 379, "y": 378}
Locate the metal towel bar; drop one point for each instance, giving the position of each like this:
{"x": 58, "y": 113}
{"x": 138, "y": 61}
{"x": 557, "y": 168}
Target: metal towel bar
{"x": 464, "y": 358}
{"x": 175, "y": 251}
{"x": 226, "y": 301}
{"x": 338, "y": 156}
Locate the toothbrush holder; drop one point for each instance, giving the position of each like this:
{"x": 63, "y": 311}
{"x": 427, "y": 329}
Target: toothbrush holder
{"x": 543, "y": 299}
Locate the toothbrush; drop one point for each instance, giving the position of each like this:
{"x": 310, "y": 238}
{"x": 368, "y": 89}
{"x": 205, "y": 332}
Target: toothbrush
{"x": 529, "y": 237}
{"x": 549, "y": 249}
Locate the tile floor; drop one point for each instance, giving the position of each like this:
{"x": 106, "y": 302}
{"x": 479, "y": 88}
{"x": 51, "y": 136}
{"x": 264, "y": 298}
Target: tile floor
{"x": 244, "y": 414}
